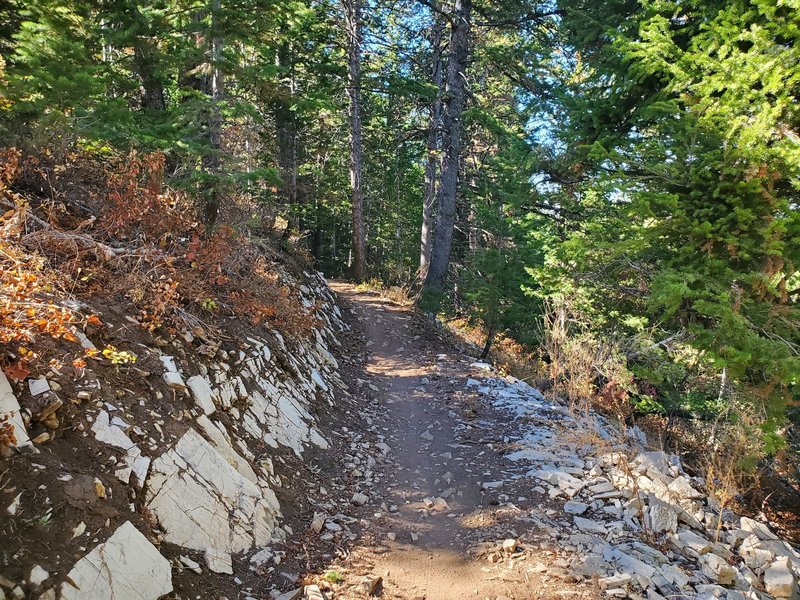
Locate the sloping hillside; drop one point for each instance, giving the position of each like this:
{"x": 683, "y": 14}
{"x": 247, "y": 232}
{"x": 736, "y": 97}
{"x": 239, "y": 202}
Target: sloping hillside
{"x": 160, "y": 385}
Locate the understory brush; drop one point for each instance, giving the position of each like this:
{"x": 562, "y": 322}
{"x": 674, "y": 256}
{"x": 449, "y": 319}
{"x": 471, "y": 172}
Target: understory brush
{"x": 86, "y": 229}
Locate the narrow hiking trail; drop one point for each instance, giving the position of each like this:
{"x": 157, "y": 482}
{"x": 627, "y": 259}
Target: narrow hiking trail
{"x": 456, "y": 482}
{"x": 438, "y": 513}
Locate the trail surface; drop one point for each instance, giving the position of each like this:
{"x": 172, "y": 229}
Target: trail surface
{"x": 436, "y": 514}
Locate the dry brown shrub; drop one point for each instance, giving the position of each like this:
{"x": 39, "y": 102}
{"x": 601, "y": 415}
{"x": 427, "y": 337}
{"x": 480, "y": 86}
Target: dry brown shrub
{"x": 578, "y": 360}
{"x": 124, "y": 233}
{"x": 28, "y": 286}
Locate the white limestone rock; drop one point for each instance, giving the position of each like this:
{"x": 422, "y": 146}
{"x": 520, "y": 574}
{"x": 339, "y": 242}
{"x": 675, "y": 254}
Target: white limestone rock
{"x": 590, "y": 526}
{"x": 172, "y": 376}
{"x": 126, "y": 566}
{"x": 219, "y": 561}
{"x": 683, "y": 489}
{"x": 717, "y": 569}
{"x": 109, "y": 433}
{"x": 691, "y": 543}
{"x": 661, "y": 517}
{"x": 9, "y": 409}
{"x": 779, "y": 580}
{"x": 174, "y": 380}
{"x": 760, "y": 530}
{"x": 202, "y": 501}
{"x": 203, "y": 394}
{"x": 317, "y": 379}
{"x": 37, "y": 576}
{"x": 755, "y": 553}
{"x": 221, "y": 441}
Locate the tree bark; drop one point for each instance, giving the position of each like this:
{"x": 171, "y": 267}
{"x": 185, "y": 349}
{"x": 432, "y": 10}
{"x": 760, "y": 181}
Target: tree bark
{"x": 487, "y": 346}
{"x": 353, "y": 25}
{"x": 453, "y": 108}
{"x": 211, "y": 161}
{"x": 286, "y": 137}
{"x": 432, "y": 160}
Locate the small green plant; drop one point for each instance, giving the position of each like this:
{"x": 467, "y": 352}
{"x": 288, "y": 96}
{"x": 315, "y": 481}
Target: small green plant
{"x": 209, "y": 304}
{"x": 334, "y": 577}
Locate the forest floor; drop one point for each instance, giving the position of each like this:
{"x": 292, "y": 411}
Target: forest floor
{"x": 436, "y": 516}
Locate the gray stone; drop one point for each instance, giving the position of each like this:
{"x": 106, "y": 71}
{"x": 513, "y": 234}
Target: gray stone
{"x": 427, "y": 435}
{"x": 219, "y": 561}
{"x": 615, "y": 581}
{"x": 690, "y": 542}
{"x": 602, "y": 487}
{"x": 38, "y": 386}
{"x": 261, "y": 558}
{"x": 203, "y": 394}
{"x": 575, "y": 508}
{"x": 779, "y": 580}
{"x": 717, "y": 569}
{"x": 709, "y": 591}
{"x": 126, "y": 565}
{"x": 37, "y": 576}
{"x": 590, "y": 526}
{"x": 675, "y": 575}
{"x": 359, "y": 499}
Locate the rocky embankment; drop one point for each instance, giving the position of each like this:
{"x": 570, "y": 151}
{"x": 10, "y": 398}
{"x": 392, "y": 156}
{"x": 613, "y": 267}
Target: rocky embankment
{"x": 174, "y": 460}
{"x": 631, "y": 519}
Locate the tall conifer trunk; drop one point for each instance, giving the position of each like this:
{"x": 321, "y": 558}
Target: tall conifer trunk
{"x": 432, "y": 159}
{"x": 216, "y": 83}
{"x": 353, "y": 24}
{"x": 453, "y": 108}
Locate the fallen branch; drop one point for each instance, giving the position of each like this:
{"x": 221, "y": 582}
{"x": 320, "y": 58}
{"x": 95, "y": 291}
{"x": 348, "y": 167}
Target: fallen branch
{"x": 663, "y": 344}
{"x": 41, "y": 228}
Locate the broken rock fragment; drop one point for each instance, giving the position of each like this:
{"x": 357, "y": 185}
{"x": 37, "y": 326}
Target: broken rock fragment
{"x": 779, "y": 580}
{"x": 126, "y": 565}
{"x": 10, "y": 412}
{"x": 219, "y": 561}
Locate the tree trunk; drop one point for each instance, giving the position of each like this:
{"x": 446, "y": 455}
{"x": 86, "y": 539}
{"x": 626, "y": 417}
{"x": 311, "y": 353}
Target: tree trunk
{"x": 432, "y": 159}
{"x": 214, "y": 87}
{"x": 487, "y": 346}
{"x": 453, "y": 107}
{"x": 353, "y": 24}
{"x": 286, "y": 137}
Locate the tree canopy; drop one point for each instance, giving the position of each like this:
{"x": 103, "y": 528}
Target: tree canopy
{"x": 633, "y": 165}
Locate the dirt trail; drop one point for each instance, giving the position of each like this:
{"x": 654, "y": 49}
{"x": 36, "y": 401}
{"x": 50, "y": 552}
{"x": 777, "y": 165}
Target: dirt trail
{"x": 435, "y": 520}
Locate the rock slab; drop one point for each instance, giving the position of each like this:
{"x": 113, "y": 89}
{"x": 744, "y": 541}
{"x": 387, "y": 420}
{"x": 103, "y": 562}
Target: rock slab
{"x": 126, "y": 565}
